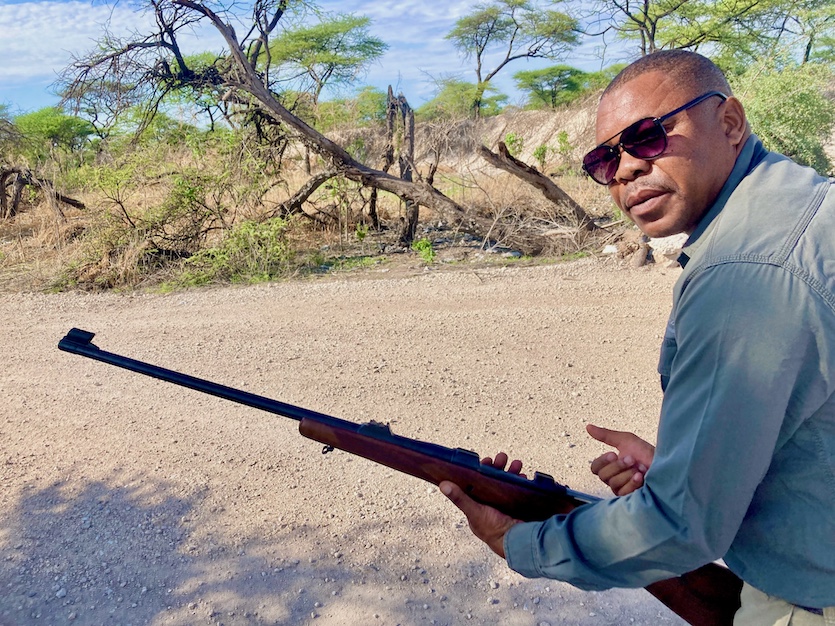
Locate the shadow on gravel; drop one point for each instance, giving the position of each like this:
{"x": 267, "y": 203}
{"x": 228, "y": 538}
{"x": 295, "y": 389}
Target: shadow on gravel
{"x": 134, "y": 551}
{"x": 93, "y": 553}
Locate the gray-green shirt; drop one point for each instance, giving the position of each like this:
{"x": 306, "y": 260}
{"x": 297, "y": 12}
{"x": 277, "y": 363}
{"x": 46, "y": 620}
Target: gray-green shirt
{"x": 745, "y": 462}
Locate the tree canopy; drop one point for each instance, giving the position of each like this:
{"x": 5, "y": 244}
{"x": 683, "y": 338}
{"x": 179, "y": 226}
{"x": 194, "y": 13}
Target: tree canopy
{"x": 513, "y": 30}
{"x": 335, "y": 51}
{"x": 735, "y": 33}
{"x": 454, "y": 100}
{"x": 51, "y": 127}
{"x": 559, "y": 85}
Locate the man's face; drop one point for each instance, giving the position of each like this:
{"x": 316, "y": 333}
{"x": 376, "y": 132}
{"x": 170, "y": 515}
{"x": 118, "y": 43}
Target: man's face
{"x": 671, "y": 193}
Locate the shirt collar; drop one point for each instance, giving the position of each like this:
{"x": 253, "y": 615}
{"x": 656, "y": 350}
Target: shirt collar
{"x": 752, "y": 153}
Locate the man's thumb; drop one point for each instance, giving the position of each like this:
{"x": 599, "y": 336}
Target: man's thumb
{"x": 604, "y": 435}
{"x": 456, "y": 495}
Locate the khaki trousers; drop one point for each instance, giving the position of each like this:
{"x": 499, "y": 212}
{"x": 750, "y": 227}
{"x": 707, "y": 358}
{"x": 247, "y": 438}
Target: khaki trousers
{"x": 759, "y": 609}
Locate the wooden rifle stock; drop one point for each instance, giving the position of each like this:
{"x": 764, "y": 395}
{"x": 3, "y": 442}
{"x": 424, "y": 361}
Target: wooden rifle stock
{"x": 708, "y": 596}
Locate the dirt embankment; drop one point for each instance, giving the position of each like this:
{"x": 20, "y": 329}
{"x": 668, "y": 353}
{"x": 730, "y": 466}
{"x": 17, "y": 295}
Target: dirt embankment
{"x": 131, "y": 501}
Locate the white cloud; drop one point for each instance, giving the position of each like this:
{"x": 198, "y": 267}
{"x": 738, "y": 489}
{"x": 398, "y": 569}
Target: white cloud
{"x": 39, "y": 38}
{"x": 418, "y": 53}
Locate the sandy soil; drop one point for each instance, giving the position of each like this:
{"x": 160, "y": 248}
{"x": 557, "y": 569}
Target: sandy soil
{"x": 127, "y": 500}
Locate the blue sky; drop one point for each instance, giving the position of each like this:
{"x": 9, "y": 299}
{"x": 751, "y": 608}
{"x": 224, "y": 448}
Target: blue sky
{"x": 40, "y": 37}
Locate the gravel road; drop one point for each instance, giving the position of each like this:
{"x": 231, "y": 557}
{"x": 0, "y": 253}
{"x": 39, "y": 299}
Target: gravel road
{"x": 127, "y": 500}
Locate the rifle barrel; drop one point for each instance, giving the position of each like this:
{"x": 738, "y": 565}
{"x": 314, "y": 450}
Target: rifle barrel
{"x": 79, "y": 342}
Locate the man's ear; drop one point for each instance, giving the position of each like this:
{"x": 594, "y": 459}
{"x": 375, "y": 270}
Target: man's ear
{"x": 735, "y": 124}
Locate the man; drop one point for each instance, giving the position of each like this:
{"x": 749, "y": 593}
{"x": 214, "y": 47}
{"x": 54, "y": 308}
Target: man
{"x": 744, "y": 467}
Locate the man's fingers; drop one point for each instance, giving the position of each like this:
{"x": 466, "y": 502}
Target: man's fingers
{"x": 602, "y": 461}
{"x": 614, "y": 438}
{"x": 622, "y": 476}
{"x": 634, "y": 482}
{"x": 632, "y": 449}
{"x": 621, "y": 480}
{"x": 501, "y": 460}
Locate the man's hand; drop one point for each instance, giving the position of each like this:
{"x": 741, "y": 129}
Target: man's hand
{"x": 487, "y": 523}
{"x": 622, "y": 472}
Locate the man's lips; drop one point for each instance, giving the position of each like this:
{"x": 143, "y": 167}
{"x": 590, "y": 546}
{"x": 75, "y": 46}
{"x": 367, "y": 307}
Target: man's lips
{"x": 642, "y": 195}
{"x": 639, "y": 200}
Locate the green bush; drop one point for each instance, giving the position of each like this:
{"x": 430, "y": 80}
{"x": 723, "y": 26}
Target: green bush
{"x": 788, "y": 110}
{"x": 424, "y": 248}
{"x": 540, "y": 153}
{"x": 251, "y": 252}
{"x": 514, "y": 143}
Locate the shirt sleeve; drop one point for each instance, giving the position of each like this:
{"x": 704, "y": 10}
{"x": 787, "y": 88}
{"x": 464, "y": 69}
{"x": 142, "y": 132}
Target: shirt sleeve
{"x": 741, "y": 381}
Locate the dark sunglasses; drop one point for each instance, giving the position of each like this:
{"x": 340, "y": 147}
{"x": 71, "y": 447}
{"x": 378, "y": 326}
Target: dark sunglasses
{"x": 645, "y": 139}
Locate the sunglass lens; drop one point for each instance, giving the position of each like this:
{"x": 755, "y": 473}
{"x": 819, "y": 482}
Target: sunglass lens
{"x": 645, "y": 139}
{"x": 601, "y": 164}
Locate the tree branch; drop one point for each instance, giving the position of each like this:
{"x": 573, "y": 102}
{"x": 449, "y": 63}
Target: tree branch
{"x": 507, "y": 162}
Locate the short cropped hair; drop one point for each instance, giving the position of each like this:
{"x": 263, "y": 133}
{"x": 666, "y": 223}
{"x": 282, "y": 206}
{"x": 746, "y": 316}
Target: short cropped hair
{"x": 689, "y": 70}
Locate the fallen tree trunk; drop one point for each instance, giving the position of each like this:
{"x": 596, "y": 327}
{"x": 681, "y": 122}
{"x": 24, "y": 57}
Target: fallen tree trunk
{"x": 507, "y": 162}
{"x": 21, "y": 177}
{"x": 244, "y": 78}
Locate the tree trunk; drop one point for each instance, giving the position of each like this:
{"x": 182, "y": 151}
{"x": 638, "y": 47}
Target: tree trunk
{"x": 5, "y": 210}
{"x": 20, "y": 178}
{"x": 388, "y": 154}
{"x": 405, "y": 159}
{"x": 294, "y": 204}
{"x": 505, "y": 161}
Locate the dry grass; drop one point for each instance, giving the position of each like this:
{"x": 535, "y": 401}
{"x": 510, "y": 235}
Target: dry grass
{"x": 35, "y": 245}
{"x": 102, "y": 246}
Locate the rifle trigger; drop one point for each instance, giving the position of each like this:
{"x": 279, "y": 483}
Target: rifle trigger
{"x": 327, "y": 448}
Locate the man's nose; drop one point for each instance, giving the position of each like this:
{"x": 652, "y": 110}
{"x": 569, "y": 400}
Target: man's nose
{"x": 630, "y": 167}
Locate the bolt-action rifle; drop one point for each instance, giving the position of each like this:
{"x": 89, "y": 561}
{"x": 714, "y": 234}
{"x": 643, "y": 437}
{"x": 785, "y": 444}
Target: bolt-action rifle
{"x": 708, "y": 596}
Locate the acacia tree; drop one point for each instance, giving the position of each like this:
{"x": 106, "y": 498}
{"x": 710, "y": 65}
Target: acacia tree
{"x": 660, "y": 24}
{"x": 559, "y": 85}
{"x": 514, "y": 29}
{"x": 149, "y": 66}
{"x": 454, "y": 99}
{"x": 813, "y": 27}
{"x": 735, "y": 32}
{"x": 30, "y": 144}
{"x": 50, "y": 127}
{"x": 335, "y": 51}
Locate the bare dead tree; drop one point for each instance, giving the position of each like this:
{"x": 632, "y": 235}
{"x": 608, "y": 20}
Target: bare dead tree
{"x": 388, "y": 156}
{"x": 405, "y": 117}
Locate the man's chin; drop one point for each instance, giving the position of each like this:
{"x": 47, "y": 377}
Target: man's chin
{"x": 658, "y": 229}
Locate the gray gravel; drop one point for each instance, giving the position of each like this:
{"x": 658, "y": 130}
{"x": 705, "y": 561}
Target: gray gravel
{"x": 127, "y": 500}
